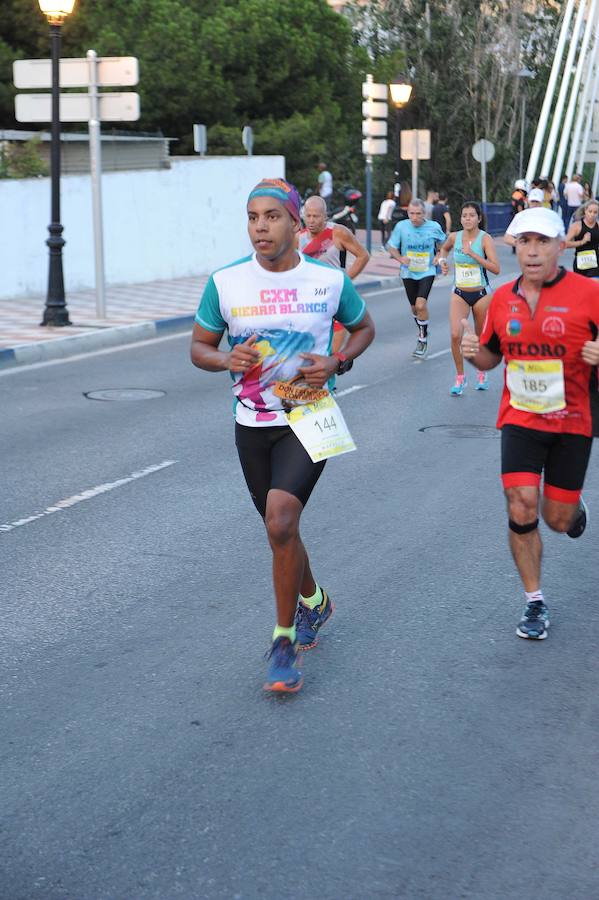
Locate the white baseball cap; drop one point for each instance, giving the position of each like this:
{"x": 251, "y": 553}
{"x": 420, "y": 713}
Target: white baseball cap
{"x": 536, "y": 195}
{"x": 539, "y": 220}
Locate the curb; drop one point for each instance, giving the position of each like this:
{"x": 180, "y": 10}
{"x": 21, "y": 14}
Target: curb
{"x": 62, "y": 348}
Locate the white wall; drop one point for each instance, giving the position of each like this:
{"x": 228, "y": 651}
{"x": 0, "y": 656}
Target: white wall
{"x": 186, "y": 220}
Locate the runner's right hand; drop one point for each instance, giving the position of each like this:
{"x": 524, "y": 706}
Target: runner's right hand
{"x": 243, "y": 356}
{"x": 470, "y": 343}
{"x": 586, "y": 239}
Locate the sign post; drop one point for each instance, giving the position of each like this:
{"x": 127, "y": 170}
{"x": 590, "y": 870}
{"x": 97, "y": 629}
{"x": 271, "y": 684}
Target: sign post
{"x": 92, "y": 72}
{"x": 374, "y": 138}
{"x": 483, "y": 152}
{"x": 415, "y": 145}
{"x": 95, "y": 161}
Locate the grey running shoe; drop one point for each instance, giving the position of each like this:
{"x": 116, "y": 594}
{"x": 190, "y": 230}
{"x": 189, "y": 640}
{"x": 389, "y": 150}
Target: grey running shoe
{"x": 581, "y": 522}
{"x": 421, "y": 349}
{"x": 534, "y": 622}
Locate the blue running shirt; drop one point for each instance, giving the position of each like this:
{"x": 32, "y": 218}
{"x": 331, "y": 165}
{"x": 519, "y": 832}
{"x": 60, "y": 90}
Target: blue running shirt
{"x": 291, "y": 313}
{"x": 419, "y": 244}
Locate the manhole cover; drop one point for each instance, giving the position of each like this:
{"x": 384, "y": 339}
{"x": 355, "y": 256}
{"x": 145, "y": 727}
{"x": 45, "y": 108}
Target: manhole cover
{"x": 124, "y": 394}
{"x": 463, "y": 431}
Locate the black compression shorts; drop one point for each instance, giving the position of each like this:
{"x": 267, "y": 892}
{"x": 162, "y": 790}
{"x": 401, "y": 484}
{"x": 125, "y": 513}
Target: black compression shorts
{"x": 272, "y": 457}
{"x": 471, "y": 297}
{"x": 563, "y": 458}
{"x": 418, "y": 287}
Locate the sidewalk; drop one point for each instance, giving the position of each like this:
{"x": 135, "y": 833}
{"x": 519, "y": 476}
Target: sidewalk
{"x": 134, "y": 312}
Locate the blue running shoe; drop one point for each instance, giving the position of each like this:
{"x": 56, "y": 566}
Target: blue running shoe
{"x": 482, "y": 382}
{"x": 308, "y": 622}
{"x": 535, "y": 622}
{"x": 458, "y": 388}
{"x": 283, "y": 673}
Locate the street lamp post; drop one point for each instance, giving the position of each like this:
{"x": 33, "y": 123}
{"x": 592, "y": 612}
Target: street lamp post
{"x": 55, "y": 312}
{"x": 401, "y": 91}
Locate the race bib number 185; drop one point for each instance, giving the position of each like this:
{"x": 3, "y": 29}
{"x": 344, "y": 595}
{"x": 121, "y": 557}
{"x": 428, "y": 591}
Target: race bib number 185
{"x": 536, "y": 387}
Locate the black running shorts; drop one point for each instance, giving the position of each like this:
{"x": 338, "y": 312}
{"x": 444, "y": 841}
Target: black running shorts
{"x": 526, "y": 453}
{"x": 471, "y": 297}
{"x": 418, "y": 287}
{"x": 272, "y": 457}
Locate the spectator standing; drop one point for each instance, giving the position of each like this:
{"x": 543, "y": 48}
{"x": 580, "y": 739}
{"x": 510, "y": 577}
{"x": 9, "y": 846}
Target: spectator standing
{"x": 563, "y": 203}
{"x": 385, "y": 216}
{"x": 574, "y": 194}
{"x": 441, "y": 213}
{"x": 325, "y": 184}
{"x": 432, "y": 197}
{"x": 551, "y": 196}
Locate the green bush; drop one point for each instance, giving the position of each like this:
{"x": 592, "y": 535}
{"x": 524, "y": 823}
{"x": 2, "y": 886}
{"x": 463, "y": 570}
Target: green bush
{"x": 22, "y": 160}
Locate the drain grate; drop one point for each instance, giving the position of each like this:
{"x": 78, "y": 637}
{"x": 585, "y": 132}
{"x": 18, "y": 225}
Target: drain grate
{"x": 128, "y": 394}
{"x": 463, "y": 431}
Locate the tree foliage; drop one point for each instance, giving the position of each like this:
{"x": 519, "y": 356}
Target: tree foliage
{"x": 293, "y": 70}
{"x": 290, "y": 69}
{"x": 463, "y": 57}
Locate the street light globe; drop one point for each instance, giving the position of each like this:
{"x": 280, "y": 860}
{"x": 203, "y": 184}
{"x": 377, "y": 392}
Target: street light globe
{"x": 401, "y": 91}
{"x": 56, "y": 11}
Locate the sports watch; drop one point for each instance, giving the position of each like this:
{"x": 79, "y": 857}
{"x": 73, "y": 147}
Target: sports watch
{"x": 344, "y": 364}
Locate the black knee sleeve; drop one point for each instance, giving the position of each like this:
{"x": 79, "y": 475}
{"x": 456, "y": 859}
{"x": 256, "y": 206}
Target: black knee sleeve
{"x": 522, "y": 529}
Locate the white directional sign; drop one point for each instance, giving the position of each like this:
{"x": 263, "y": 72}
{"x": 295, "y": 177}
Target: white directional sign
{"x": 76, "y": 107}
{"x": 374, "y": 109}
{"x": 374, "y": 124}
{"x": 416, "y": 144}
{"x": 374, "y": 146}
{"x": 113, "y": 71}
{"x": 374, "y": 91}
{"x": 374, "y": 128}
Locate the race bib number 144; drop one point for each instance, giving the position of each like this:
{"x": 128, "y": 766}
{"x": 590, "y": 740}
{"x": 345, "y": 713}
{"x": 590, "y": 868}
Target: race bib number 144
{"x": 321, "y": 428}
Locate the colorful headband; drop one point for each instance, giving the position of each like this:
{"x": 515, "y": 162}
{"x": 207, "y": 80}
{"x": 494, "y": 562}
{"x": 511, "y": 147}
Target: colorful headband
{"x": 280, "y": 190}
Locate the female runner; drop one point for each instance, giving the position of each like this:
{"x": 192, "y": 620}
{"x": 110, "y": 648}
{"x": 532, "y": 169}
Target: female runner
{"x": 583, "y": 236}
{"x": 474, "y": 255}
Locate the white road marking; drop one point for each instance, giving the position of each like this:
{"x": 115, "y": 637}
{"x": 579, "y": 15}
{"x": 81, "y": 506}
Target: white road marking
{"x": 350, "y": 390}
{"x": 374, "y": 292}
{"x": 439, "y": 353}
{"x": 87, "y": 495}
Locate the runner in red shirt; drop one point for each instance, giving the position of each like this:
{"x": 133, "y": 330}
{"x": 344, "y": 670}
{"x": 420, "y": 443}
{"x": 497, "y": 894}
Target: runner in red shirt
{"x": 544, "y": 325}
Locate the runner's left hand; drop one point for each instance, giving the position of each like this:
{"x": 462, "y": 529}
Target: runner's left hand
{"x": 319, "y": 369}
{"x": 590, "y": 352}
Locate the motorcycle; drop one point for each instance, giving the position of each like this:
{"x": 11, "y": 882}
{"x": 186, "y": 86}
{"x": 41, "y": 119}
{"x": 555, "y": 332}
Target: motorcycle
{"x": 346, "y": 214}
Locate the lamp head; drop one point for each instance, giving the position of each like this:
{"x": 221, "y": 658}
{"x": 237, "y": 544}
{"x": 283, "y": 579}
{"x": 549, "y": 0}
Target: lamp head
{"x": 401, "y": 91}
{"x": 56, "y": 11}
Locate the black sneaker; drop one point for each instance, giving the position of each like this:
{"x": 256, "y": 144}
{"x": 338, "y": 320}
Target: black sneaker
{"x": 534, "y": 622}
{"x": 581, "y": 521}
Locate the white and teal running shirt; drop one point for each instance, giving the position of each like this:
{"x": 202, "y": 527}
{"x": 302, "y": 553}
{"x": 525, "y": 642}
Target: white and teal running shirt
{"x": 418, "y": 244}
{"x": 291, "y": 313}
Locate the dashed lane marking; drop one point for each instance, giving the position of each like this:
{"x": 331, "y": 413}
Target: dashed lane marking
{"x": 60, "y": 505}
{"x": 350, "y": 390}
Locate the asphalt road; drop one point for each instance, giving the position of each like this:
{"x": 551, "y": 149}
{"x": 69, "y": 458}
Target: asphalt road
{"x": 431, "y": 754}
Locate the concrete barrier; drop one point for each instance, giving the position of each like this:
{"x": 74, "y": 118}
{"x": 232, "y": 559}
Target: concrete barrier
{"x": 163, "y": 224}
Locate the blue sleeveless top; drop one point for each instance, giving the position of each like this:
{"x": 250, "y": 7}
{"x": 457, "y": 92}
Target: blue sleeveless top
{"x": 469, "y": 275}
